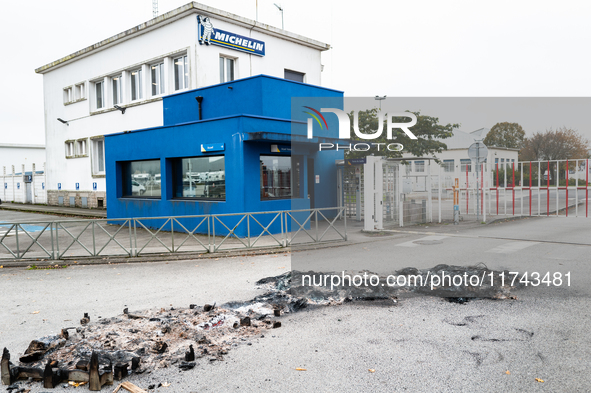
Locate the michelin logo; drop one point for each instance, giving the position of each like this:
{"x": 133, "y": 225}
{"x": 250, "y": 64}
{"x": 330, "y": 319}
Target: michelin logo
{"x": 208, "y": 35}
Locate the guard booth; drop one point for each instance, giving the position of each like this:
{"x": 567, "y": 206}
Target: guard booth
{"x": 385, "y": 193}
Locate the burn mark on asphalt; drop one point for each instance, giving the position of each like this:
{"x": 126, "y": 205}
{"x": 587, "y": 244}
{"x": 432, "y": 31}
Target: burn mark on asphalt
{"x": 467, "y": 321}
{"x": 522, "y": 335}
{"x": 489, "y": 357}
{"x": 476, "y": 356}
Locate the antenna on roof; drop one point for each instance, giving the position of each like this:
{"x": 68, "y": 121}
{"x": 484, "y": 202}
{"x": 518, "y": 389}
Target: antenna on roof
{"x": 154, "y": 8}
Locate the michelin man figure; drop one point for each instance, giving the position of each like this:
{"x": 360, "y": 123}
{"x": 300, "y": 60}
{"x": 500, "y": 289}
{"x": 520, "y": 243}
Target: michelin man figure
{"x": 207, "y": 30}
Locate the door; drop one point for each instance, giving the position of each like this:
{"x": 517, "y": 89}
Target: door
{"x": 311, "y": 182}
{"x": 28, "y": 193}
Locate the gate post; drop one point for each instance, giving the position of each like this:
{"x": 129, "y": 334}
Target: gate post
{"x": 400, "y": 198}
{"x": 379, "y": 192}
{"x": 373, "y": 192}
{"x": 33, "y": 199}
{"x": 368, "y": 194}
{"x": 429, "y": 191}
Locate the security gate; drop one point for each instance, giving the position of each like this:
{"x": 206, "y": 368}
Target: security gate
{"x": 352, "y": 191}
{"x": 382, "y": 193}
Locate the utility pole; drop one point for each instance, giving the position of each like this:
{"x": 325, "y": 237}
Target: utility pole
{"x": 280, "y": 8}
{"x": 154, "y": 8}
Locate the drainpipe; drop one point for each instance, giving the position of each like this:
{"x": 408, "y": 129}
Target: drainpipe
{"x": 199, "y": 101}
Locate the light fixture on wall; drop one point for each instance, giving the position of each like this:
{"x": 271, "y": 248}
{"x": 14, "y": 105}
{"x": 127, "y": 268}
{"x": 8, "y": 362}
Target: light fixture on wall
{"x": 121, "y": 109}
{"x": 199, "y": 101}
{"x": 63, "y": 121}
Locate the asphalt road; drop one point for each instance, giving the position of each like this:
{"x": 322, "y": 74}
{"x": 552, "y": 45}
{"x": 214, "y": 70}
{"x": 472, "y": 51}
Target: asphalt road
{"x": 423, "y": 343}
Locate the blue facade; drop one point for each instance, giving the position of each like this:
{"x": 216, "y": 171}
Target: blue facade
{"x": 247, "y": 118}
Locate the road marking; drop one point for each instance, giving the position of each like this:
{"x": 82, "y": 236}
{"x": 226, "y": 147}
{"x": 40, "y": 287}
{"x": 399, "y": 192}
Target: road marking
{"x": 512, "y": 247}
{"x": 413, "y": 244}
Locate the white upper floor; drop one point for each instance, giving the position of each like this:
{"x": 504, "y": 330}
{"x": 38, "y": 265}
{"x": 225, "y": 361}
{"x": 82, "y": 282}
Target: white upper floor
{"x": 85, "y": 93}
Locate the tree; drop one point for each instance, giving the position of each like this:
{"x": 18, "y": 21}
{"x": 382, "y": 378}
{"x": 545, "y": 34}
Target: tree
{"x": 561, "y": 144}
{"x": 509, "y": 135}
{"x": 427, "y": 130}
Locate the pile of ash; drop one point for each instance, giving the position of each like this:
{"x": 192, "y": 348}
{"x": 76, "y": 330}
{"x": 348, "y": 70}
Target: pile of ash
{"x": 158, "y": 338}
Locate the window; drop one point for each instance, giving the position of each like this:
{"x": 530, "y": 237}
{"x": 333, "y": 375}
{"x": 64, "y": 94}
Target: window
{"x": 98, "y": 167}
{"x": 157, "y": 78}
{"x": 419, "y": 166}
{"x": 80, "y": 91}
{"x": 466, "y": 163}
{"x": 276, "y": 179}
{"x": 139, "y": 179}
{"x": 116, "y": 85}
{"x": 68, "y": 95}
{"x": 181, "y": 73}
{"x": 200, "y": 177}
{"x": 69, "y": 148}
{"x": 100, "y": 94}
{"x": 136, "y": 85}
{"x": 448, "y": 165}
{"x": 81, "y": 147}
{"x": 293, "y": 76}
{"x": 226, "y": 69}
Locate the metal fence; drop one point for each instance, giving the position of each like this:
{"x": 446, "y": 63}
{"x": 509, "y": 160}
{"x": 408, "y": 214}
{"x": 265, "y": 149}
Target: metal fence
{"x": 528, "y": 188}
{"x": 132, "y": 237}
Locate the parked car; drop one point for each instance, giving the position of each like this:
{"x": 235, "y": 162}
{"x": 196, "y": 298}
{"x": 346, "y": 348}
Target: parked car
{"x": 137, "y": 188}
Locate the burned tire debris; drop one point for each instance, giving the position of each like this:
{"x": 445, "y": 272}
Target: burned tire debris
{"x": 436, "y": 281}
{"x": 106, "y": 349}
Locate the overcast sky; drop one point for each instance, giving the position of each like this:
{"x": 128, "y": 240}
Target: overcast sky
{"x": 395, "y": 48}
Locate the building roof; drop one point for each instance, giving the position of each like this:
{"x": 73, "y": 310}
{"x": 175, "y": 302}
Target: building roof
{"x": 480, "y": 133}
{"x": 463, "y": 140}
{"x": 178, "y": 13}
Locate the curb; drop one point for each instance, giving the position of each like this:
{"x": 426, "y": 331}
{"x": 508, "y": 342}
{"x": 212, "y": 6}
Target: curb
{"x": 168, "y": 256}
{"x": 53, "y": 213}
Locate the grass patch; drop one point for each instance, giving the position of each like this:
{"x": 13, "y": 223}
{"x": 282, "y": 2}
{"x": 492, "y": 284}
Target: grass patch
{"x": 49, "y": 267}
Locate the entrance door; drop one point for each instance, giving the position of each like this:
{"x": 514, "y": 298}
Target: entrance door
{"x": 311, "y": 182}
{"x": 28, "y": 193}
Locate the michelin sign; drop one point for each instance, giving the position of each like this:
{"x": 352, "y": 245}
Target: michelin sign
{"x": 208, "y": 35}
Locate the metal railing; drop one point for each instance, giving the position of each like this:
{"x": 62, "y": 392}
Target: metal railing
{"x": 132, "y": 237}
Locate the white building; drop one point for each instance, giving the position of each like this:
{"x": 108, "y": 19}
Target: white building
{"x": 455, "y": 162}
{"x": 22, "y": 175}
{"x": 117, "y": 84}
{"x": 19, "y": 154}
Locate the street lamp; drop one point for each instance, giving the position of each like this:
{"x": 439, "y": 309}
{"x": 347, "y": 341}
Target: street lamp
{"x": 280, "y": 9}
{"x": 380, "y": 99}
